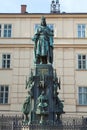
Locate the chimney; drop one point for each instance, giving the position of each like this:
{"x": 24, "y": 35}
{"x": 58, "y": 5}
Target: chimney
{"x": 23, "y": 8}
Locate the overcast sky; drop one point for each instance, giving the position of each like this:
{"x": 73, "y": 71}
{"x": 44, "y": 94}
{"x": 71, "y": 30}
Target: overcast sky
{"x": 42, "y": 6}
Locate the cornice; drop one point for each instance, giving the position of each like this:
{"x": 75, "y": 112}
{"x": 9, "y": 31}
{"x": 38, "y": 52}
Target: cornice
{"x": 82, "y": 46}
{"x": 38, "y": 15}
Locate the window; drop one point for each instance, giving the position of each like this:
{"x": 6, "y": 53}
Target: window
{"x": 82, "y": 61}
{"x": 4, "y": 91}
{"x": 6, "y": 61}
{"x": 0, "y": 29}
{"x": 51, "y": 26}
{"x": 36, "y": 26}
{"x": 82, "y": 95}
{"x": 81, "y": 30}
{"x": 7, "y": 30}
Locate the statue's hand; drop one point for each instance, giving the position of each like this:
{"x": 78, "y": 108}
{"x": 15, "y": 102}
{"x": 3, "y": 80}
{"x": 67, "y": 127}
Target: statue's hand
{"x": 33, "y": 39}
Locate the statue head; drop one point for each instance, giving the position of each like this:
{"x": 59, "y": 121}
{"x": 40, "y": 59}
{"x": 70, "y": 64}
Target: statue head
{"x": 43, "y": 21}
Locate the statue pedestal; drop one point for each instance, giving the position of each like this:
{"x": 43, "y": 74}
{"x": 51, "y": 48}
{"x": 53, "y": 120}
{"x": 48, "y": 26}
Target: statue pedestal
{"x": 43, "y": 99}
{"x": 44, "y": 82}
{"x": 44, "y": 69}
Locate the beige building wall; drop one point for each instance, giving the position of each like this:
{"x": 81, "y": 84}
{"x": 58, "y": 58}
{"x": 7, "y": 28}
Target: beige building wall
{"x": 66, "y": 48}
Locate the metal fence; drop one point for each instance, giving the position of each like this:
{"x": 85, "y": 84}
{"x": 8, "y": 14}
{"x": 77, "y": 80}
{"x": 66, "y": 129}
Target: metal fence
{"x": 8, "y": 122}
{"x": 68, "y": 123}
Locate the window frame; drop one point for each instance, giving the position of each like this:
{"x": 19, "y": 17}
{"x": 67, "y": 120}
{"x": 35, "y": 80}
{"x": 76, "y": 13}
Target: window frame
{"x": 6, "y": 62}
{"x": 4, "y": 99}
{"x": 49, "y": 25}
{"x": 81, "y": 61}
{"x": 81, "y": 30}
{"x": 0, "y": 30}
{"x": 7, "y": 30}
{"x": 82, "y": 95}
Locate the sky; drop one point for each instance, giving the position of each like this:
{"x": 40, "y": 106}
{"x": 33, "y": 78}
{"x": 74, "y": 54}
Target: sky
{"x": 42, "y": 6}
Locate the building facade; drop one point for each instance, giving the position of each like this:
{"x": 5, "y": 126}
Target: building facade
{"x": 70, "y": 58}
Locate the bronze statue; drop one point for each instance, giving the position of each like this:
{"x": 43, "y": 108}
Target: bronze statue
{"x": 42, "y": 103}
{"x": 58, "y": 107}
{"x": 56, "y": 83}
{"x": 58, "y": 104}
{"x": 30, "y": 84}
{"x": 26, "y": 107}
{"x": 43, "y": 47}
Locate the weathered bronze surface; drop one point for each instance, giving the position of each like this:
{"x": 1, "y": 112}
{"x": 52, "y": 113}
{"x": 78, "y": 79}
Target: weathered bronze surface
{"x": 43, "y": 103}
{"x": 43, "y": 43}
